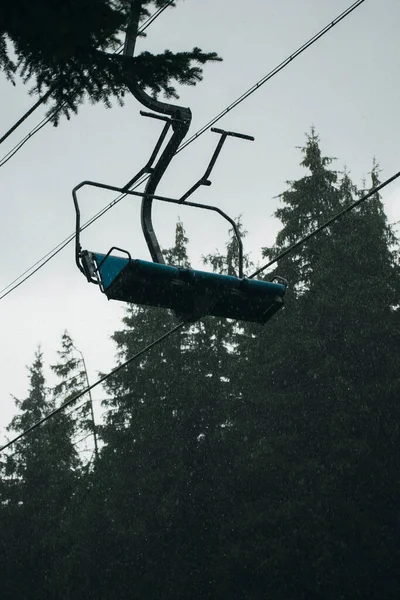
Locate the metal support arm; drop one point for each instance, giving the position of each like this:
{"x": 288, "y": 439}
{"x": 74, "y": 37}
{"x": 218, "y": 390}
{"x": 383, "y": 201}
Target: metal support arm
{"x": 204, "y": 180}
{"x": 180, "y": 120}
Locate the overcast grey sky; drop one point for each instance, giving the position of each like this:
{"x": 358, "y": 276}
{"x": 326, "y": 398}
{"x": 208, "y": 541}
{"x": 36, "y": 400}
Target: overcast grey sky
{"x": 346, "y": 85}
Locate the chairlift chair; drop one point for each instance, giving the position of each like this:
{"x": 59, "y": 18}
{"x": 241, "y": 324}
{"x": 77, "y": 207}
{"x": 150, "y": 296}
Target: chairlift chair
{"x": 191, "y": 293}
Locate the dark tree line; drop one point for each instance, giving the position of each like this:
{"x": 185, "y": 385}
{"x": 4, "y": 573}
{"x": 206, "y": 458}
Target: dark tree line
{"x": 237, "y": 462}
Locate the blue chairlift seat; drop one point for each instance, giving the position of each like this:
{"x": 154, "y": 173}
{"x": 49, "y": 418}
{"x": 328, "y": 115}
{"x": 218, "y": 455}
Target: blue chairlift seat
{"x": 186, "y": 291}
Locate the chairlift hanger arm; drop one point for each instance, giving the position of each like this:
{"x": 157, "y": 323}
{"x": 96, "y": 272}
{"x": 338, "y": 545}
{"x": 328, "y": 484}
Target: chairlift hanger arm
{"x": 180, "y": 120}
{"x": 164, "y": 108}
{"x": 151, "y": 187}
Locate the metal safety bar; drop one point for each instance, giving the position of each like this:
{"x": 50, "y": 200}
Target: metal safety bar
{"x": 151, "y": 115}
{"x": 242, "y": 136}
{"x": 148, "y": 166}
{"x": 204, "y": 180}
{"x": 78, "y": 248}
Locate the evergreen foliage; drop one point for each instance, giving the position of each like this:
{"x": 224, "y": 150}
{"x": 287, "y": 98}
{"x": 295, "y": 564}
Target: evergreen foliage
{"x": 39, "y": 481}
{"x": 70, "y": 372}
{"x": 71, "y": 50}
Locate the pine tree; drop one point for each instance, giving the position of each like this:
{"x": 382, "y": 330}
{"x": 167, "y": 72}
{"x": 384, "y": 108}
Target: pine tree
{"x": 71, "y": 372}
{"x": 69, "y": 51}
{"x": 307, "y": 204}
{"x": 320, "y": 407}
{"x": 40, "y": 476}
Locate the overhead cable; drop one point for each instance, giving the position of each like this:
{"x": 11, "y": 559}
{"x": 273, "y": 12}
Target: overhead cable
{"x": 89, "y": 388}
{"x": 327, "y": 223}
{"x": 27, "y": 114}
{"x": 22, "y": 142}
{"x": 274, "y": 72}
{"x": 43, "y": 99}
